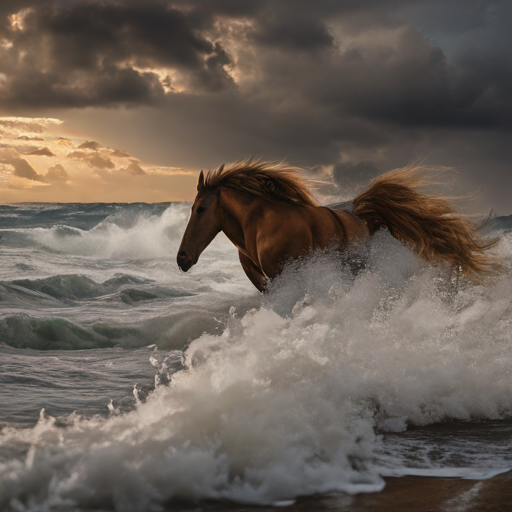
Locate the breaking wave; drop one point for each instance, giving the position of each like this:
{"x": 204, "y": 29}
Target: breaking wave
{"x": 289, "y": 398}
{"x": 125, "y": 235}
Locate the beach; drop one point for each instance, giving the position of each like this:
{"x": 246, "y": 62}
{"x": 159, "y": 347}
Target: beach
{"x": 404, "y": 494}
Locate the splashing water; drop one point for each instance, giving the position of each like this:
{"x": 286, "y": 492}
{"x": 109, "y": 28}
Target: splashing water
{"x": 309, "y": 389}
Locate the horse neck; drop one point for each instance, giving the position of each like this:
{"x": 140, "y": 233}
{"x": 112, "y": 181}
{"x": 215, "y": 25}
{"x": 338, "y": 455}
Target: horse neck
{"x": 239, "y": 211}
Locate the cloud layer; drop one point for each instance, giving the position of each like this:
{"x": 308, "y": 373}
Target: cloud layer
{"x": 329, "y": 84}
{"x": 46, "y": 167}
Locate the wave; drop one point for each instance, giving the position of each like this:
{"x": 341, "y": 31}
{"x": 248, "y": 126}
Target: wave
{"x": 73, "y": 312}
{"x": 119, "y": 237}
{"x": 291, "y": 397}
{"x": 24, "y": 331}
{"x": 170, "y": 331}
{"x": 66, "y": 287}
{"x": 501, "y": 224}
{"x": 129, "y": 233}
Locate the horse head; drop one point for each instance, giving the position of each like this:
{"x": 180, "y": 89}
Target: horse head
{"x": 203, "y": 226}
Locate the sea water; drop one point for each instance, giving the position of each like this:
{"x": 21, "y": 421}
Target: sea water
{"x": 126, "y": 384}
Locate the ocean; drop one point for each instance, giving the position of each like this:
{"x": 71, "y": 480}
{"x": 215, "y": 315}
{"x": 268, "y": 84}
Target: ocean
{"x": 127, "y": 385}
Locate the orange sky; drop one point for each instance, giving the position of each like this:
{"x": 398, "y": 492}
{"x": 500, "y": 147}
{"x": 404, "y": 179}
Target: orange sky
{"x": 349, "y": 89}
{"x": 42, "y": 161}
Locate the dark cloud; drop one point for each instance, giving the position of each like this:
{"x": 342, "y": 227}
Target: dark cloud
{"x": 89, "y": 144}
{"x": 41, "y": 152}
{"x": 57, "y": 173}
{"x": 23, "y": 169}
{"x": 100, "y": 162}
{"x": 135, "y": 168}
{"x": 104, "y": 53}
{"x": 294, "y": 32}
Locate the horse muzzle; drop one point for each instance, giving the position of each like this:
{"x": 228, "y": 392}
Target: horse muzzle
{"x": 184, "y": 261}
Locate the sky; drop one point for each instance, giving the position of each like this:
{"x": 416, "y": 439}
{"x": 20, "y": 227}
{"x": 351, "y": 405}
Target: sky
{"x": 127, "y": 100}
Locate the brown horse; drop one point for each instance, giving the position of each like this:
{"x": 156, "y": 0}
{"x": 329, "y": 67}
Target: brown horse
{"x": 266, "y": 210}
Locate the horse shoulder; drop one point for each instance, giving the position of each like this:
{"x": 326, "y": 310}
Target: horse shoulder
{"x": 283, "y": 234}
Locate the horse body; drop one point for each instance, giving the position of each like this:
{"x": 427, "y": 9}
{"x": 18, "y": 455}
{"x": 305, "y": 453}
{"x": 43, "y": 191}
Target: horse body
{"x": 267, "y": 233}
{"x": 269, "y": 215}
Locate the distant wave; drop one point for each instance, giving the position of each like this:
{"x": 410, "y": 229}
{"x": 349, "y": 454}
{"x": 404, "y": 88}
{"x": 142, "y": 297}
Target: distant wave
{"x": 125, "y": 235}
{"x": 71, "y": 287}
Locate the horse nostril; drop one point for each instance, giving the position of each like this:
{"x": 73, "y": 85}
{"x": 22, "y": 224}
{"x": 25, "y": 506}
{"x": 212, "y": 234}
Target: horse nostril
{"x": 184, "y": 262}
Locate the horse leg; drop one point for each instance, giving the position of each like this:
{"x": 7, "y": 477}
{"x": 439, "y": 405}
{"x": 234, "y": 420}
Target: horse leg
{"x": 253, "y": 272}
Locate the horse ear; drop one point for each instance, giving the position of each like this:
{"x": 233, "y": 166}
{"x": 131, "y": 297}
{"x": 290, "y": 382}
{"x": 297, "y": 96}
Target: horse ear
{"x": 200, "y": 183}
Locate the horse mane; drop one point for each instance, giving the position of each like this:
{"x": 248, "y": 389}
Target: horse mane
{"x": 277, "y": 181}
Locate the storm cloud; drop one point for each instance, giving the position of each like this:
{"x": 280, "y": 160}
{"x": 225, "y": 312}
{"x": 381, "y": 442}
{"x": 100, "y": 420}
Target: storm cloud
{"x": 342, "y": 85}
{"x": 100, "y": 53}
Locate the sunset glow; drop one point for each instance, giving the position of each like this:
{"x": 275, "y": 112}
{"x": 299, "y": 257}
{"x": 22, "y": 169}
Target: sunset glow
{"x": 38, "y": 165}
{"x": 187, "y": 85}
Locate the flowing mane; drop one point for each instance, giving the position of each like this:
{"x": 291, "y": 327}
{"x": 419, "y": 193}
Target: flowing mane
{"x": 273, "y": 180}
{"x": 266, "y": 242}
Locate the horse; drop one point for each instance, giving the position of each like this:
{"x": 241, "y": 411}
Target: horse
{"x": 268, "y": 213}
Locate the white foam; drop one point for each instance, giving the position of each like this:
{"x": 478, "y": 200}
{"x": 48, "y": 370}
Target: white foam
{"x": 447, "y": 472}
{"x": 143, "y": 237}
{"x": 286, "y": 401}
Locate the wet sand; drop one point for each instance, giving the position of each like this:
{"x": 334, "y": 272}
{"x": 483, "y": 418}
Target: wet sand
{"x": 406, "y": 494}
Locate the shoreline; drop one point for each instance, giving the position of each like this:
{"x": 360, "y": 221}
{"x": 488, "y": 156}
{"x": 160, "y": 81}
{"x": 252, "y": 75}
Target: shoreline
{"x": 401, "y": 494}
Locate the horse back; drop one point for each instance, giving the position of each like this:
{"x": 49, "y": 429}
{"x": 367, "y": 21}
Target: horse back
{"x": 355, "y": 228}
{"x": 328, "y": 223}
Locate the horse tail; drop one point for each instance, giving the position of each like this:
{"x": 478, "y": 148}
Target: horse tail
{"x": 427, "y": 223}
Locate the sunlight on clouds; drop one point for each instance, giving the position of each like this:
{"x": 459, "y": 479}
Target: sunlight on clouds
{"x": 17, "y": 20}
{"x": 6, "y": 44}
{"x": 39, "y": 165}
{"x": 169, "y": 78}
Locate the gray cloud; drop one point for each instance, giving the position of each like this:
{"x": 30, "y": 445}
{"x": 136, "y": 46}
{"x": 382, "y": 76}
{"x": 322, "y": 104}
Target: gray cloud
{"x": 119, "y": 153}
{"x": 135, "y": 168}
{"x": 386, "y": 81}
{"x": 40, "y": 152}
{"x": 57, "y": 173}
{"x": 100, "y": 162}
{"x": 103, "y": 53}
{"x": 23, "y": 169}
{"x": 77, "y": 154}
{"x": 25, "y": 137}
{"x": 294, "y": 32}
{"x": 90, "y": 144}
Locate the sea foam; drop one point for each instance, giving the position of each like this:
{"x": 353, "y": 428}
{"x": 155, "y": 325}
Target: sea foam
{"x": 124, "y": 235}
{"x": 291, "y": 398}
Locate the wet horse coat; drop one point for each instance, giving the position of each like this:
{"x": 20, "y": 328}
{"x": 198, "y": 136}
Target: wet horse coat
{"x": 266, "y": 232}
{"x": 267, "y": 212}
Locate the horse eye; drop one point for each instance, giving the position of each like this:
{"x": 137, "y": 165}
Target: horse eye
{"x": 200, "y": 209}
